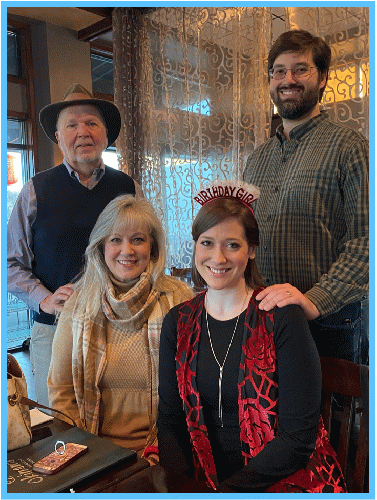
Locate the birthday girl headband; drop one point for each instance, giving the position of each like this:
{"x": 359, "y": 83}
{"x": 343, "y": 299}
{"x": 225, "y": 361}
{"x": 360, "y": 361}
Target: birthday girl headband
{"x": 239, "y": 190}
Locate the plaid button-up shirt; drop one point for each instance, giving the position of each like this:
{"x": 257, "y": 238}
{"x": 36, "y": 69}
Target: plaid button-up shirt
{"x": 313, "y": 211}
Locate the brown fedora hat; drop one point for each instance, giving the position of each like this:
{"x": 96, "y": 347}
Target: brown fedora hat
{"x": 76, "y": 95}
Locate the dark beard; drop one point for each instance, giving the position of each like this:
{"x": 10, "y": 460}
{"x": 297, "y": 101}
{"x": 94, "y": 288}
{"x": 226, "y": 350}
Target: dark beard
{"x": 291, "y": 110}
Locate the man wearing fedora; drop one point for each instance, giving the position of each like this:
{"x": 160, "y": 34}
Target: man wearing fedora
{"x": 49, "y": 227}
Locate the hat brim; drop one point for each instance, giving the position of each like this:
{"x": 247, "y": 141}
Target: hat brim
{"x": 49, "y": 114}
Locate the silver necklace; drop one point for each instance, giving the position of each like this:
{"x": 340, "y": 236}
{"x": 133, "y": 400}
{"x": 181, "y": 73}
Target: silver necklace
{"x": 221, "y": 367}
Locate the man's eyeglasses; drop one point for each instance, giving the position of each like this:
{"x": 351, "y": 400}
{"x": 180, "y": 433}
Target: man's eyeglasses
{"x": 298, "y": 72}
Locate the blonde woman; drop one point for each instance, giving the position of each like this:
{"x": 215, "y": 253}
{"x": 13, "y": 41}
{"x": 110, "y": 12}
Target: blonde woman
{"x": 104, "y": 366}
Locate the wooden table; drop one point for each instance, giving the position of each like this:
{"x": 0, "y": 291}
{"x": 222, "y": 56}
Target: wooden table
{"x": 133, "y": 475}
{"x": 112, "y": 480}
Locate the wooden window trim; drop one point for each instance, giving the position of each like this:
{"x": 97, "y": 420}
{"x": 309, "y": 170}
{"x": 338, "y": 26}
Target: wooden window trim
{"x": 27, "y": 79}
{"x": 101, "y": 49}
{"x": 16, "y": 79}
{"x": 18, "y": 115}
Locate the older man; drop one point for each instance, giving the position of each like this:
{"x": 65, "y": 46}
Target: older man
{"x": 55, "y": 212}
{"x": 313, "y": 208}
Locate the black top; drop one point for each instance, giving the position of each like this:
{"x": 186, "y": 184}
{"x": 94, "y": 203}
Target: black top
{"x": 299, "y": 388}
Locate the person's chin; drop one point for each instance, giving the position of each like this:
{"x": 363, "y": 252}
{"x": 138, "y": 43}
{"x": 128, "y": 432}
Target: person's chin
{"x": 291, "y": 110}
{"x": 88, "y": 158}
{"x": 216, "y": 282}
{"x": 126, "y": 278}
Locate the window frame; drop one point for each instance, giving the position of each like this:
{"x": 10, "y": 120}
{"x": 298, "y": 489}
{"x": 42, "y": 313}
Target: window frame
{"x": 29, "y": 117}
{"x": 104, "y": 51}
{"x": 28, "y": 149}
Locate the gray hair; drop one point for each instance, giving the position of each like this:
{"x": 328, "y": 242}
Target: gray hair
{"x": 125, "y": 210}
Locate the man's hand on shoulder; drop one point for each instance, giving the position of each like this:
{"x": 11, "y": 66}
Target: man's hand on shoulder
{"x": 55, "y": 302}
{"x": 283, "y": 294}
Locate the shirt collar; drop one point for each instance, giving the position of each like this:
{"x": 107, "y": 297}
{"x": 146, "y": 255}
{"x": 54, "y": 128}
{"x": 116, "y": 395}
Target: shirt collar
{"x": 97, "y": 172}
{"x": 301, "y": 130}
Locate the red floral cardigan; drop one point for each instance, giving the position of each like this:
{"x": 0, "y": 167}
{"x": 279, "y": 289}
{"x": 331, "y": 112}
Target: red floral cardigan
{"x": 259, "y": 378}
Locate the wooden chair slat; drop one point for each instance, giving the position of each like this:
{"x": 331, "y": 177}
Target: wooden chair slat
{"x": 341, "y": 377}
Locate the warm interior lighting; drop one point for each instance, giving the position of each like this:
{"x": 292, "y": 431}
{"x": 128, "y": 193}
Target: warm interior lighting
{"x": 11, "y": 174}
{"x": 347, "y": 82}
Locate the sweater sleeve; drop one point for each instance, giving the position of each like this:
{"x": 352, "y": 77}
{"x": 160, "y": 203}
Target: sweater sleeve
{"x": 174, "y": 441}
{"x": 61, "y": 392}
{"x": 299, "y": 375}
{"x": 348, "y": 277}
{"x": 21, "y": 281}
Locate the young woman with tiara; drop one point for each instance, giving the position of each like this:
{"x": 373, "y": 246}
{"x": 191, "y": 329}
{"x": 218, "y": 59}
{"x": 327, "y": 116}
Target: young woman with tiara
{"x": 239, "y": 388}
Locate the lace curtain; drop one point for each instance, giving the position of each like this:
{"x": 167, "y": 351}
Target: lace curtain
{"x": 192, "y": 88}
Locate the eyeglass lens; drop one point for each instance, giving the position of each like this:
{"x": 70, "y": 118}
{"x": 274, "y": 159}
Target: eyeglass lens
{"x": 297, "y": 72}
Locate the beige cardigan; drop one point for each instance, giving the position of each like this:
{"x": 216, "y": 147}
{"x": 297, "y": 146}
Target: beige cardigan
{"x": 127, "y": 408}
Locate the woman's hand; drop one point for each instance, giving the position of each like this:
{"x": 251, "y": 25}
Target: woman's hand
{"x": 152, "y": 458}
{"x": 283, "y": 294}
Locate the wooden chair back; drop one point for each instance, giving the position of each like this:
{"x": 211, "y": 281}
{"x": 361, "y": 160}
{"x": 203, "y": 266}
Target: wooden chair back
{"x": 344, "y": 377}
{"x": 184, "y": 274}
{"x": 181, "y": 273}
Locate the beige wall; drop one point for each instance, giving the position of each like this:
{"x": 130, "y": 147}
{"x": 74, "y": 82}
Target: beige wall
{"x": 68, "y": 62}
{"x": 59, "y": 60}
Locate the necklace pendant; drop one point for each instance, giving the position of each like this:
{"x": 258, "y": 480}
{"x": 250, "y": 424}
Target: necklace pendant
{"x": 226, "y": 355}
{"x": 220, "y": 406}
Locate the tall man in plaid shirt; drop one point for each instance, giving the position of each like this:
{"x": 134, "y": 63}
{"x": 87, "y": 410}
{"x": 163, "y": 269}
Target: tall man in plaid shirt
{"x": 313, "y": 208}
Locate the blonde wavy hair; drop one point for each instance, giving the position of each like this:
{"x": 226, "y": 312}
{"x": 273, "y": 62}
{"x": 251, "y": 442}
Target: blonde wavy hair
{"x": 123, "y": 211}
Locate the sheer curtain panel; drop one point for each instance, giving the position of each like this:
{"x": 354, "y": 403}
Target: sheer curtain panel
{"x": 192, "y": 88}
